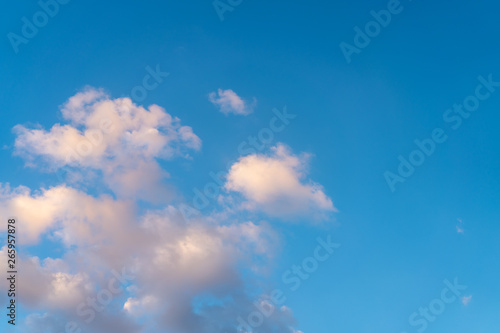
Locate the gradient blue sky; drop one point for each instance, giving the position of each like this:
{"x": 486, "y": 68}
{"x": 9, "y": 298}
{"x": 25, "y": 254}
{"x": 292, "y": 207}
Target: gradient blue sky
{"x": 354, "y": 119}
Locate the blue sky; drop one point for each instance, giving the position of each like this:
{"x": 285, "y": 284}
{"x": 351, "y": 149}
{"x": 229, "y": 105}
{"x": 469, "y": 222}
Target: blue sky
{"x": 353, "y": 120}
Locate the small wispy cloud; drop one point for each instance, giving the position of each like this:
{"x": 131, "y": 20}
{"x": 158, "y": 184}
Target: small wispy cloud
{"x": 466, "y": 300}
{"x": 459, "y": 226}
{"x": 229, "y": 102}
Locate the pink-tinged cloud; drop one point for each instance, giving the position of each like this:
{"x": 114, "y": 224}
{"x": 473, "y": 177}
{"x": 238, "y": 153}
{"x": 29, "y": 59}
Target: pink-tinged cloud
{"x": 466, "y": 300}
{"x": 229, "y": 102}
{"x": 115, "y": 137}
{"x": 276, "y": 184}
{"x": 195, "y": 277}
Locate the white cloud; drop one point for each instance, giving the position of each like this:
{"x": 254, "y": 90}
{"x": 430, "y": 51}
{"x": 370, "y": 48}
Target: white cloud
{"x": 75, "y": 216}
{"x": 460, "y": 226}
{"x": 466, "y": 300}
{"x": 113, "y": 136}
{"x": 179, "y": 262}
{"x": 139, "y": 306}
{"x": 202, "y": 255}
{"x": 48, "y": 283}
{"x": 276, "y": 185}
{"x": 229, "y": 102}
{"x": 195, "y": 276}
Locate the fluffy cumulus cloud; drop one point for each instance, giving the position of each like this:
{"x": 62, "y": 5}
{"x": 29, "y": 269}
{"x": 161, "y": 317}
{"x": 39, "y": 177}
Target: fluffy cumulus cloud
{"x": 119, "y": 267}
{"x": 229, "y": 102}
{"x": 50, "y": 284}
{"x": 76, "y": 216}
{"x": 190, "y": 273}
{"x": 277, "y": 184}
{"x": 115, "y": 137}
